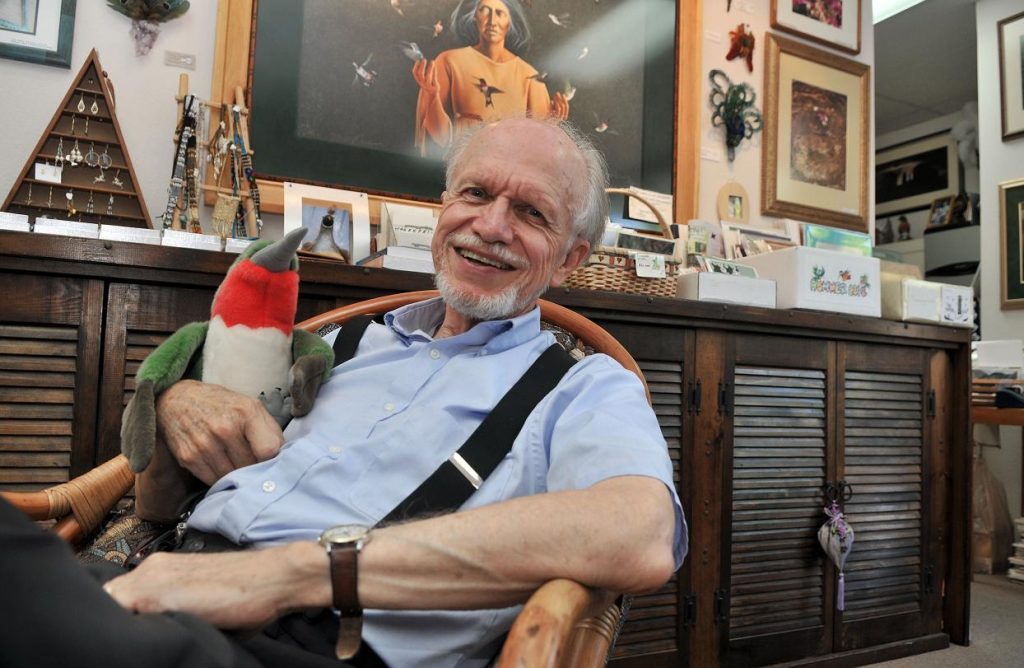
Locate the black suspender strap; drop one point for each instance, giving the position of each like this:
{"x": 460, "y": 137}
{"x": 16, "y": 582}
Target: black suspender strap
{"x": 348, "y": 338}
{"x": 458, "y": 477}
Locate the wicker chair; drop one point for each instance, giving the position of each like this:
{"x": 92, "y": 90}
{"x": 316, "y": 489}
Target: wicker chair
{"x": 562, "y": 624}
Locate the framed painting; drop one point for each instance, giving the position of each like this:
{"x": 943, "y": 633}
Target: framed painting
{"x": 1011, "y": 74}
{"x": 37, "y": 31}
{"x": 915, "y": 174}
{"x": 815, "y": 158}
{"x": 348, "y": 212}
{"x": 1011, "y": 221}
{"x": 835, "y": 23}
{"x": 333, "y": 96}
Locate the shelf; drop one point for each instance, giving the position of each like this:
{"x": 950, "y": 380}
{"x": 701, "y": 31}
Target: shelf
{"x": 993, "y": 415}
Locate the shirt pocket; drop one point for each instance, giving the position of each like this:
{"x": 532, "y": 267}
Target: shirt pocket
{"x": 403, "y": 461}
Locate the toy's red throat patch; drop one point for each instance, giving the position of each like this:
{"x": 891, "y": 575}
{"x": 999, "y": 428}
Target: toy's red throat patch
{"x": 256, "y": 297}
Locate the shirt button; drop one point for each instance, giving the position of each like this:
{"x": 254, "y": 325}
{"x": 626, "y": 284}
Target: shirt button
{"x": 335, "y": 449}
{"x": 435, "y": 354}
{"x": 269, "y": 485}
{"x": 389, "y": 407}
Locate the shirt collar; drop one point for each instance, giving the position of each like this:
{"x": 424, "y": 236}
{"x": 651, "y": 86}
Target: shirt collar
{"x": 419, "y": 321}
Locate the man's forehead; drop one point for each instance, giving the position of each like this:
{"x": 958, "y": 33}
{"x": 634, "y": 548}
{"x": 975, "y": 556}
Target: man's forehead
{"x": 525, "y": 139}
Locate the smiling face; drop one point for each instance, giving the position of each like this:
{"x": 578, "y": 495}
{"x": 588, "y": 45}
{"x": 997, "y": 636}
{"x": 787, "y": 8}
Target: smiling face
{"x": 505, "y": 231}
{"x": 492, "y": 21}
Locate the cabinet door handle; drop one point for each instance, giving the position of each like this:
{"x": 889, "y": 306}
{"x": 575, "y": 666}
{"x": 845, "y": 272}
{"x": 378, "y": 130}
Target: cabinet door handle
{"x": 724, "y": 405}
{"x": 696, "y": 396}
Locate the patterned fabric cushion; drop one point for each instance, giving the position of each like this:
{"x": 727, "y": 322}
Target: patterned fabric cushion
{"x": 121, "y": 536}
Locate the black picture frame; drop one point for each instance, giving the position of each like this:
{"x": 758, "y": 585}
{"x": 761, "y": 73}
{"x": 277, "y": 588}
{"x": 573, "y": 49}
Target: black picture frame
{"x": 342, "y": 133}
{"x": 1011, "y": 219}
{"x": 26, "y": 41}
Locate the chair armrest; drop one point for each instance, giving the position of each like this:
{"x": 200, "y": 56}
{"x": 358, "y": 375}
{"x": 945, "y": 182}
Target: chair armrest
{"x": 562, "y": 624}
{"x": 80, "y": 504}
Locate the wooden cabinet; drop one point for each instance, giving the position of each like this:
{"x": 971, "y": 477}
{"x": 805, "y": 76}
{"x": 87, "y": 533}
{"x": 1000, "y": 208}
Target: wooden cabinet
{"x": 760, "y": 410}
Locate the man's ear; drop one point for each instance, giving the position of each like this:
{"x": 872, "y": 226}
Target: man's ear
{"x": 578, "y": 253}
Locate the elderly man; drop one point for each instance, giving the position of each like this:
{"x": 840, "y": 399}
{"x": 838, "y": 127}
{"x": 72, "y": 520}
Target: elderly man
{"x": 585, "y": 492}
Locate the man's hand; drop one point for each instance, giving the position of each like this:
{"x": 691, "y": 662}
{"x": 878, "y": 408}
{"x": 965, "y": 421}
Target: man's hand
{"x": 212, "y": 431}
{"x": 233, "y": 590}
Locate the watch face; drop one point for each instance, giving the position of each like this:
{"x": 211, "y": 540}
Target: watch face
{"x": 344, "y": 533}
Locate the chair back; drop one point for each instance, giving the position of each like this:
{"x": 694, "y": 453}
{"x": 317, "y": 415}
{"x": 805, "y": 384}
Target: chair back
{"x": 588, "y": 334}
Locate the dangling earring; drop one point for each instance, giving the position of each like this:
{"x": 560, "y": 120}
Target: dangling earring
{"x": 95, "y": 108}
{"x": 29, "y": 199}
{"x": 73, "y": 119}
{"x": 110, "y": 205}
{"x": 81, "y": 104}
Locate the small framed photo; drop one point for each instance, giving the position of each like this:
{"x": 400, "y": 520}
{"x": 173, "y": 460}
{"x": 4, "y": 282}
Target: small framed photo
{"x": 941, "y": 212}
{"x": 37, "y": 31}
{"x": 1011, "y": 75}
{"x": 348, "y": 213}
{"x": 835, "y": 23}
{"x": 1011, "y": 223}
{"x": 733, "y": 204}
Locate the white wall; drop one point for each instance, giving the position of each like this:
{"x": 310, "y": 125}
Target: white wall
{"x": 746, "y": 168}
{"x": 1000, "y": 161}
{"x": 145, "y": 89}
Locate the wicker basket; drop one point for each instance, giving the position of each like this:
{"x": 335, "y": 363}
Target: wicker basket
{"x": 612, "y": 269}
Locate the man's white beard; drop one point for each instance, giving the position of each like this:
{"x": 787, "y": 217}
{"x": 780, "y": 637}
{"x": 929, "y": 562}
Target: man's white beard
{"x": 493, "y": 307}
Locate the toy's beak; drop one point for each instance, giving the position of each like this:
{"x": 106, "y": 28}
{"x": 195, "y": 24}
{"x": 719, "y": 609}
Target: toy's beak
{"x": 278, "y": 256}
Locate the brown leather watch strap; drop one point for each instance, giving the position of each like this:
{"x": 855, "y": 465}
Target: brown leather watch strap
{"x": 345, "y": 578}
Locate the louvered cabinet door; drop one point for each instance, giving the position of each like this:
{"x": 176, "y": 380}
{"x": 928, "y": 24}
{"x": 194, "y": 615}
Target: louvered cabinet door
{"x": 774, "y": 599}
{"x": 139, "y": 318}
{"x": 887, "y": 450}
{"x": 49, "y": 371}
{"x": 650, "y": 636}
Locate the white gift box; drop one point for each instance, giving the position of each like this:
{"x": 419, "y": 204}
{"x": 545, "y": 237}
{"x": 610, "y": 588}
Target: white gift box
{"x": 707, "y": 286}
{"x": 66, "y": 228}
{"x": 824, "y": 280}
{"x": 135, "y": 235}
{"x": 915, "y": 300}
{"x": 232, "y": 245}
{"x": 16, "y": 222}
{"x": 182, "y": 239}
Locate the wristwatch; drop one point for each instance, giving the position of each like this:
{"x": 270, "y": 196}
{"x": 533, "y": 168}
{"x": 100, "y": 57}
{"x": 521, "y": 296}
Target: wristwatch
{"x": 343, "y": 544}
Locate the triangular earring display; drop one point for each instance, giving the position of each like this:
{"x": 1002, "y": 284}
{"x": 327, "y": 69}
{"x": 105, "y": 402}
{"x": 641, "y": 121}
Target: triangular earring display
{"x": 51, "y": 162}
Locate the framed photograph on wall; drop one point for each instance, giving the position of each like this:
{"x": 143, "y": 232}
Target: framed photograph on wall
{"x": 306, "y": 206}
{"x": 37, "y": 31}
{"x": 1011, "y": 74}
{"x": 941, "y": 212}
{"x": 733, "y": 203}
{"x": 1011, "y": 224}
{"x": 915, "y": 174}
{"x": 835, "y": 23}
{"x": 815, "y": 158}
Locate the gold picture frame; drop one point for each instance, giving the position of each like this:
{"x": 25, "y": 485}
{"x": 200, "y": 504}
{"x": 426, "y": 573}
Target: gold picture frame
{"x": 814, "y": 164}
{"x": 941, "y": 212}
{"x": 1011, "y": 75}
{"x": 233, "y": 63}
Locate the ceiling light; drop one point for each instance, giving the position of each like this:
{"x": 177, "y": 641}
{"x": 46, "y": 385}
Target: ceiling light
{"x": 883, "y": 9}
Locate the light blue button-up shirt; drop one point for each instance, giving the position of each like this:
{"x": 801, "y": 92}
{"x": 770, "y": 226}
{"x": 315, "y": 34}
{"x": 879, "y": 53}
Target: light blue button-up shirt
{"x": 387, "y": 418}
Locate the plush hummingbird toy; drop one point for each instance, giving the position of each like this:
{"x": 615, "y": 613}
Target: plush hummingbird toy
{"x": 249, "y": 345}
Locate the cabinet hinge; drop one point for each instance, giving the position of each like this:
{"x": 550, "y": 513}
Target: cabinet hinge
{"x": 724, "y": 404}
{"x": 931, "y": 403}
{"x": 929, "y": 578}
{"x": 721, "y": 606}
{"x": 694, "y": 400}
{"x": 689, "y": 611}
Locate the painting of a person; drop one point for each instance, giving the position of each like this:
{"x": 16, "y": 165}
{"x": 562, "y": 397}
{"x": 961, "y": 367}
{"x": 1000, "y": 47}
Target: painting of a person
{"x": 484, "y": 80}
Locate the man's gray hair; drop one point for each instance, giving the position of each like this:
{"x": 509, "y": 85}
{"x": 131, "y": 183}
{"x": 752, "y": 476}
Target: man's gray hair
{"x": 590, "y": 213}
{"x": 463, "y": 24}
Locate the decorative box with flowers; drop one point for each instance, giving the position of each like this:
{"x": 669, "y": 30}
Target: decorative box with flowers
{"x": 823, "y": 280}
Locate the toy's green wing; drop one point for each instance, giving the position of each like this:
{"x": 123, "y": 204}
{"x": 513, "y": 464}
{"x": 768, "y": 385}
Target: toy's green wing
{"x": 163, "y": 367}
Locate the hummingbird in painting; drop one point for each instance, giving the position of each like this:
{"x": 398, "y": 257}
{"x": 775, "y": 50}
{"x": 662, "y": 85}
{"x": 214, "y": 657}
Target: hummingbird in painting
{"x": 488, "y": 91}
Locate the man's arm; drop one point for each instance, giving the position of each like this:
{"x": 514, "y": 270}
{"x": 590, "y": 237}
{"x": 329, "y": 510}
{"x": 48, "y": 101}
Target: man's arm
{"x": 617, "y": 535}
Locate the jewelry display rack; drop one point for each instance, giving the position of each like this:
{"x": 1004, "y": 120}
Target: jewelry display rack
{"x": 80, "y": 169}
{"x": 227, "y": 154}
